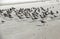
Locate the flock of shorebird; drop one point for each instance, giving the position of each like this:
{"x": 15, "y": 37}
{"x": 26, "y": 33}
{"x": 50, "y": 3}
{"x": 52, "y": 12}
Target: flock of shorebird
{"x": 38, "y": 13}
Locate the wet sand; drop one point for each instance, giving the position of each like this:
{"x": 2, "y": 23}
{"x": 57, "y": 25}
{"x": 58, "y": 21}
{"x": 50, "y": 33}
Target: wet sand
{"x": 15, "y": 29}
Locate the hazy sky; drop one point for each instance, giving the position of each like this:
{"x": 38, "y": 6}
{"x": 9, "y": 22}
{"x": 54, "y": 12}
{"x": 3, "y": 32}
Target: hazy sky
{"x": 13, "y": 1}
